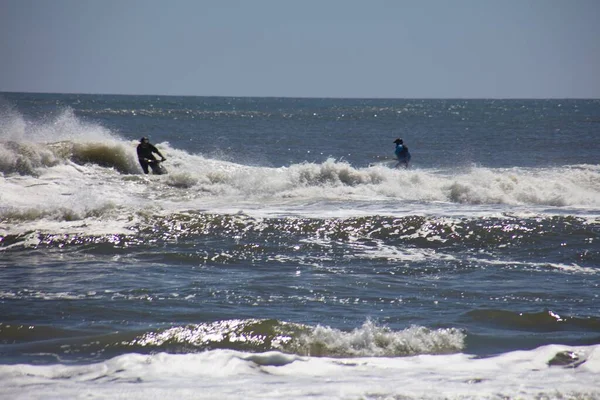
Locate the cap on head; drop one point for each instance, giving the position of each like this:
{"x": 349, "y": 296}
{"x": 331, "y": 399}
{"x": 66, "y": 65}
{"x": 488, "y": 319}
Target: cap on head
{"x": 398, "y": 141}
{"x": 144, "y": 139}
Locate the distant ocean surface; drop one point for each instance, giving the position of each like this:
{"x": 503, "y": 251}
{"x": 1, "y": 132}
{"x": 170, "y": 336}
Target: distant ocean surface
{"x": 283, "y": 257}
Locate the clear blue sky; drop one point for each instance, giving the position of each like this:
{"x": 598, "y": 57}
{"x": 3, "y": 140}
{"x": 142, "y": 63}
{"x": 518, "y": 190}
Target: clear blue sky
{"x": 305, "y": 48}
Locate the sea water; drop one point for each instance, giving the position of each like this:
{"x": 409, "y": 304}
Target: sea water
{"x": 284, "y": 257}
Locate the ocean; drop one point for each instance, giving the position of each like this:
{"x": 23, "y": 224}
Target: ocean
{"x": 283, "y": 256}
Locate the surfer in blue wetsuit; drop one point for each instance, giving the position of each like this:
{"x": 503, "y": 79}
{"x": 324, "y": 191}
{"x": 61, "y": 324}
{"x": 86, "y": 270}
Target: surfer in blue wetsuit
{"x": 401, "y": 153}
{"x": 145, "y": 154}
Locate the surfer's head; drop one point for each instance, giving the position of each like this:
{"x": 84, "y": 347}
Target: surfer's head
{"x": 398, "y": 141}
{"x": 144, "y": 140}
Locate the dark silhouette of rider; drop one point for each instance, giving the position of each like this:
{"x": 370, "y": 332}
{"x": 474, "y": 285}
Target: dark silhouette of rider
{"x": 402, "y": 153}
{"x": 145, "y": 156}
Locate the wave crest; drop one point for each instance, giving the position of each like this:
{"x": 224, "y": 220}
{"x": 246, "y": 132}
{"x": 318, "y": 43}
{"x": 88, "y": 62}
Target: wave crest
{"x": 372, "y": 340}
{"x": 25, "y": 158}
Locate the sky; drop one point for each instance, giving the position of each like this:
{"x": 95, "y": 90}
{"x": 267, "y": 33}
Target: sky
{"x": 303, "y": 48}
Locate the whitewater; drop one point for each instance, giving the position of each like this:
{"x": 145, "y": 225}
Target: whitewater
{"x": 69, "y": 170}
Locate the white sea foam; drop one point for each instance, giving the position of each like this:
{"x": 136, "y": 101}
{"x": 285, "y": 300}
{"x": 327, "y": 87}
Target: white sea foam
{"x": 226, "y": 374}
{"x": 538, "y": 266}
{"x": 71, "y": 191}
{"x": 66, "y": 170}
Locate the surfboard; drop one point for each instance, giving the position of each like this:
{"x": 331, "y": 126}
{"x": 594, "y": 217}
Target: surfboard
{"x": 386, "y": 163}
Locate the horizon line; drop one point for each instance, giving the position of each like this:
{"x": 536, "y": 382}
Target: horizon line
{"x": 299, "y": 97}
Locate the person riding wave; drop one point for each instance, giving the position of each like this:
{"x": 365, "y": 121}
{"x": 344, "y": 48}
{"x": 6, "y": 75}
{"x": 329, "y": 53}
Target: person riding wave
{"x": 402, "y": 153}
{"x": 145, "y": 154}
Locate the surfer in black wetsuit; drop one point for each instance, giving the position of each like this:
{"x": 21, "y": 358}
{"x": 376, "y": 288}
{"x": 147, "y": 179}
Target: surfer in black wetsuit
{"x": 145, "y": 156}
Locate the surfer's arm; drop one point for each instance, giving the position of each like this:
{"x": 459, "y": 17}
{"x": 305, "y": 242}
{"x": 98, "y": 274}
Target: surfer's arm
{"x": 155, "y": 150}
